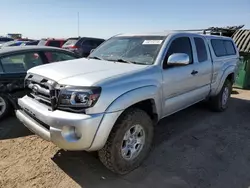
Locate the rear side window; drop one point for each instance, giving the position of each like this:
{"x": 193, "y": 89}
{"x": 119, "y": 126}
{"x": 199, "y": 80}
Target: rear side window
{"x": 223, "y": 47}
{"x": 88, "y": 43}
{"x": 55, "y": 43}
{"x": 21, "y": 62}
{"x": 229, "y": 47}
{"x": 98, "y": 42}
{"x": 201, "y": 49}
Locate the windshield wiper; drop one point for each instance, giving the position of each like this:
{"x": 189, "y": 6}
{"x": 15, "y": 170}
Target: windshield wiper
{"x": 121, "y": 61}
{"x": 95, "y": 57}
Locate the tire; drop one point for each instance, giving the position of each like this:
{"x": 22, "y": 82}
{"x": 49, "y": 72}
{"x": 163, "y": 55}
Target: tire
{"x": 111, "y": 154}
{"x": 5, "y": 107}
{"x": 217, "y": 104}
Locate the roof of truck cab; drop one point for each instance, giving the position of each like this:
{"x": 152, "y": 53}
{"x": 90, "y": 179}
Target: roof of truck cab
{"x": 166, "y": 33}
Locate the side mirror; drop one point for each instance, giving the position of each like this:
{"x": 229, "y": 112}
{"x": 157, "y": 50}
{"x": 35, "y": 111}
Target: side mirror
{"x": 178, "y": 59}
{"x": 91, "y": 51}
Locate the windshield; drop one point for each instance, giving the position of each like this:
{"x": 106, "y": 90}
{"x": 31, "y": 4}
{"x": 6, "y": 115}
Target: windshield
{"x": 134, "y": 49}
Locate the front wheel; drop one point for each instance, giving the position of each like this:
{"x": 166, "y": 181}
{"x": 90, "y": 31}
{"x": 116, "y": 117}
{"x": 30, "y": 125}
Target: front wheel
{"x": 129, "y": 142}
{"x": 4, "y": 106}
{"x": 219, "y": 102}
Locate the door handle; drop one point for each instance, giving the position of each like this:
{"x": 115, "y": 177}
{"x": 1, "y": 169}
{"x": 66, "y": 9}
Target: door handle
{"x": 194, "y": 72}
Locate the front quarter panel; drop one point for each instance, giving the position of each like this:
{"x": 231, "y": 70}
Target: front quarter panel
{"x": 118, "y": 93}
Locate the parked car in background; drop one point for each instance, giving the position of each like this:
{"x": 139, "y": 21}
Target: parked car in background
{"x": 13, "y": 43}
{"x": 111, "y": 101}
{"x": 15, "y": 61}
{"x": 52, "y": 42}
{"x": 29, "y": 43}
{"x": 82, "y": 46}
{"x": 4, "y": 40}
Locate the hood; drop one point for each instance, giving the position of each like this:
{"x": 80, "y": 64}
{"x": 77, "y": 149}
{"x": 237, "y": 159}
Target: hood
{"x": 83, "y": 72}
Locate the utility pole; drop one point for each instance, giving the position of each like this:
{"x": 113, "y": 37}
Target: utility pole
{"x": 78, "y": 25}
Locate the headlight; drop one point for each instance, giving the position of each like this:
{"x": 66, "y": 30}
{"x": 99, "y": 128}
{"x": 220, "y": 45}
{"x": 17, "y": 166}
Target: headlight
{"x": 78, "y": 97}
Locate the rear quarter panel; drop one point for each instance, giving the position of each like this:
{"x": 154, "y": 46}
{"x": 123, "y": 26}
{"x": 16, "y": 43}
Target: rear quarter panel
{"x": 222, "y": 67}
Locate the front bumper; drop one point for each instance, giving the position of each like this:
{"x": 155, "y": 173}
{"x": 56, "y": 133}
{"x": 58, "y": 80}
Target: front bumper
{"x": 69, "y": 131}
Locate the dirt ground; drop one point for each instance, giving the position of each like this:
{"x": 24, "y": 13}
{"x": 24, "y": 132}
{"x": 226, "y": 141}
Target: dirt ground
{"x": 193, "y": 148}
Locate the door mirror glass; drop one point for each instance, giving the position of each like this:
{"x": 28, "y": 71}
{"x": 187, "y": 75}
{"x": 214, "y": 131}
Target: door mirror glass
{"x": 178, "y": 59}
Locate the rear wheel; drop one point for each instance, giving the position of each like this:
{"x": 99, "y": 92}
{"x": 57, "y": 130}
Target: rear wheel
{"x": 129, "y": 142}
{"x": 4, "y": 106}
{"x": 219, "y": 103}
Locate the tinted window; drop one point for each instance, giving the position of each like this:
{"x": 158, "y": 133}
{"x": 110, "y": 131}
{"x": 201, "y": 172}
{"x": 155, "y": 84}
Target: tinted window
{"x": 201, "y": 49}
{"x": 223, "y": 47}
{"x": 180, "y": 45}
{"x": 229, "y": 47}
{"x": 88, "y": 43}
{"x": 58, "y": 56}
{"x": 219, "y": 48}
{"x": 55, "y": 43}
{"x": 21, "y": 62}
{"x": 98, "y": 42}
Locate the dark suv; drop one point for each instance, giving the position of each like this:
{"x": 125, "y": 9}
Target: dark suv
{"x": 82, "y": 45}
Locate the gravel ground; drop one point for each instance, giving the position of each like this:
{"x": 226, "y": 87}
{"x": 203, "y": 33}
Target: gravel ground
{"x": 193, "y": 148}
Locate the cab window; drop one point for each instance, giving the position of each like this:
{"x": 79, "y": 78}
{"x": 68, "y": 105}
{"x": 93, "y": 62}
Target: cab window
{"x": 201, "y": 49}
{"x": 179, "y": 45}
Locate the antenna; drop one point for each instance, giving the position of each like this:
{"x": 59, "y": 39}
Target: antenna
{"x": 78, "y": 28}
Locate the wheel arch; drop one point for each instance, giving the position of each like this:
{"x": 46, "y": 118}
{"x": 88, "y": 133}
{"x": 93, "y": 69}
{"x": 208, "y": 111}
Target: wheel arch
{"x": 145, "y": 102}
{"x": 229, "y": 74}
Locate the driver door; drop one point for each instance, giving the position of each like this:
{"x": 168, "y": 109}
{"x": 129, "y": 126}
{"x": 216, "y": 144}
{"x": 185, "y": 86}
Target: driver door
{"x": 179, "y": 82}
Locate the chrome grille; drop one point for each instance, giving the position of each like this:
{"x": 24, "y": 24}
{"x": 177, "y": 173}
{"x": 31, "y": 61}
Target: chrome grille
{"x": 42, "y": 90}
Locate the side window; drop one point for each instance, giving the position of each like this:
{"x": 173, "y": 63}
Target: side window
{"x": 223, "y": 47}
{"x": 201, "y": 49}
{"x": 229, "y": 47}
{"x": 21, "y": 62}
{"x": 219, "y": 48}
{"x": 180, "y": 45}
{"x": 97, "y": 43}
{"x": 58, "y": 56}
{"x": 55, "y": 43}
{"x": 87, "y": 43}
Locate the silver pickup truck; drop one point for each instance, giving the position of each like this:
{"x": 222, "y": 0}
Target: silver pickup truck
{"x": 111, "y": 101}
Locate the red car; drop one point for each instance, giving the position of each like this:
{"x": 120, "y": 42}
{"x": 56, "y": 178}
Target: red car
{"x": 52, "y": 42}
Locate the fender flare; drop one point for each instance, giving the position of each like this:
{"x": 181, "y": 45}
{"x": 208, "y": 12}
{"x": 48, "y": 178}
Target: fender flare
{"x": 224, "y": 76}
{"x": 134, "y": 96}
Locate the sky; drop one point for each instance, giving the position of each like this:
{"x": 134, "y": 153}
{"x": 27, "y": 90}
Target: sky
{"x": 105, "y": 18}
